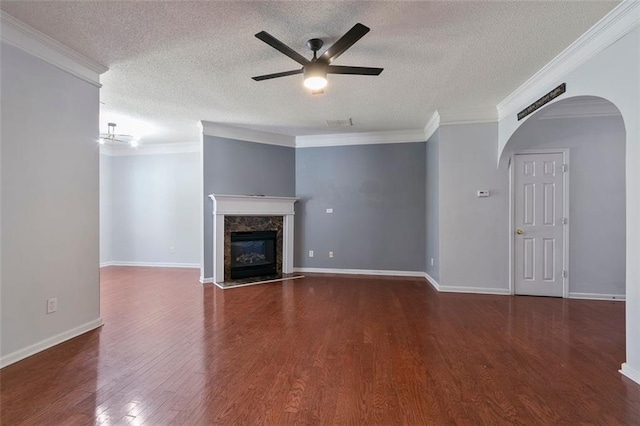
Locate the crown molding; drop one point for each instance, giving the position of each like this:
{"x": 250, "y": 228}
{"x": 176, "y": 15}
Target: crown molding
{"x": 150, "y": 149}
{"x": 363, "y": 138}
{"x": 310, "y": 141}
{"x": 468, "y": 115}
{"x": 16, "y": 33}
{"x": 613, "y": 26}
{"x": 432, "y": 125}
{"x": 238, "y": 133}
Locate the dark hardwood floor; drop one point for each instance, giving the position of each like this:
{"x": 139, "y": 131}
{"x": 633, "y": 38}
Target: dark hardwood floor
{"x": 326, "y": 350}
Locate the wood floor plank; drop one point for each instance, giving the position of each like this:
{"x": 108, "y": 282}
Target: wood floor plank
{"x": 325, "y": 350}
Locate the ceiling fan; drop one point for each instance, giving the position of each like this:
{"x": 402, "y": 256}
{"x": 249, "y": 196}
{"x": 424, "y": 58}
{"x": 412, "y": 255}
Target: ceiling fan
{"x": 315, "y": 70}
{"x": 113, "y": 138}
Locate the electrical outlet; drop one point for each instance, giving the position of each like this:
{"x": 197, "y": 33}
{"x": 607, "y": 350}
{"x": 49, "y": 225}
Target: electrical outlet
{"x": 172, "y": 249}
{"x": 432, "y": 261}
{"x": 310, "y": 253}
{"x": 331, "y": 255}
{"x": 329, "y": 211}
{"x": 52, "y": 305}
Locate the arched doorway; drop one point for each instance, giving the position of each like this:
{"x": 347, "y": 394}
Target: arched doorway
{"x": 590, "y": 135}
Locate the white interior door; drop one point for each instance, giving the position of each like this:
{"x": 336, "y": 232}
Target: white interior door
{"x": 539, "y": 218}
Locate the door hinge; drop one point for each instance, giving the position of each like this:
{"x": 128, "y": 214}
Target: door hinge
{"x": 565, "y": 220}
{"x": 564, "y": 274}
{"x": 565, "y": 168}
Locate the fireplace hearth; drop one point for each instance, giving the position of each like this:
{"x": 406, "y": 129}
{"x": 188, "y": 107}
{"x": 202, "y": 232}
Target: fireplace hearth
{"x": 253, "y": 254}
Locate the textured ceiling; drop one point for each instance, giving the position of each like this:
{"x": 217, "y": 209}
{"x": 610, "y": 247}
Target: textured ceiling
{"x": 175, "y": 63}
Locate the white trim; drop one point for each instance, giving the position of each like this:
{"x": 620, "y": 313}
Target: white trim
{"x": 206, "y": 280}
{"x": 152, "y": 264}
{"x": 362, "y": 138}
{"x": 468, "y": 115}
{"x": 32, "y": 41}
{"x": 239, "y": 133}
{"x": 474, "y": 290}
{"x": 565, "y": 212}
{"x": 151, "y": 149}
{"x": 618, "y": 22}
{"x": 202, "y": 202}
{"x": 630, "y": 372}
{"x": 432, "y": 281}
{"x": 597, "y": 296}
{"x": 511, "y": 223}
{"x": 418, "y": 274}
{"x": 105, "y": 264}
{"x": 432, "y": 125}
{"x": 49, "y": 342}
{"x": 252, "y": 205}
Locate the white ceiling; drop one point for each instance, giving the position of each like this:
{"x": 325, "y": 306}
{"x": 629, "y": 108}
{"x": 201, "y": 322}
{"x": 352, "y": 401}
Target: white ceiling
{"x": 172, "y": 64}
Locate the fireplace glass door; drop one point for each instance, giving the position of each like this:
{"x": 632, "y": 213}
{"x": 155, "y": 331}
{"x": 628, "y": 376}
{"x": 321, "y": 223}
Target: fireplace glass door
{"x": 253, "y": 254}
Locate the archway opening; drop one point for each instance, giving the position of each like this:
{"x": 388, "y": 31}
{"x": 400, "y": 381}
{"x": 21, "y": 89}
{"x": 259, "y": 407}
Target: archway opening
{"x": 592, "y": 130}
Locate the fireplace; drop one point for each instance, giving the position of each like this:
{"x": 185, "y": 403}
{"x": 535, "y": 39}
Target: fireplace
{"x": 241, "y": 213}
{"x": 253, "y": 253}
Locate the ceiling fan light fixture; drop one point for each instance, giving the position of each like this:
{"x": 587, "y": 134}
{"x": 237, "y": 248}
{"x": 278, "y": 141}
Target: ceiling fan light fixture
{"x": 315, "y": 76}
{"x": 315, "y": 70}
{"x": 315, "y": 83}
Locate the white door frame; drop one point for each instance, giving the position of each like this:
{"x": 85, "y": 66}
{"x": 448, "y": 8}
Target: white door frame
{"x": 565, "y": 213}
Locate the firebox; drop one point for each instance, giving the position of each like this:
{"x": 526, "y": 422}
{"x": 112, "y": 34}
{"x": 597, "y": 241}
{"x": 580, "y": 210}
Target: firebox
{"x": 253, "y": 254}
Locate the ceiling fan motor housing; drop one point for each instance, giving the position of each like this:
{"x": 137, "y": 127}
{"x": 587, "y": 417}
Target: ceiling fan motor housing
{"x": 315, "y": 69}
{"x": 315, "y": 44}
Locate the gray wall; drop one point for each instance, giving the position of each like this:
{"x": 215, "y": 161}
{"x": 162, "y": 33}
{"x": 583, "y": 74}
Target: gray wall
{"x": 235, "y": 167}
{"x": 49, "y": 191}
{"x": 155, "y": 206}
{"x": 105, "y": 209}
{"x": 377, "y": 193}
{"x": 474, "y": 250}
{"x": 432, "y": 240}
{"x": 597, "y": 196}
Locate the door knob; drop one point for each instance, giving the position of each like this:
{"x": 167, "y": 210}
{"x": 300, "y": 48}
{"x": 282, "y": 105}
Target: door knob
{"x": 519, "y": 231}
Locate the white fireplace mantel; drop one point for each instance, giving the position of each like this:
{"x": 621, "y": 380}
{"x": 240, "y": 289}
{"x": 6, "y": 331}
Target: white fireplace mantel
{"x": 251, "y": 205}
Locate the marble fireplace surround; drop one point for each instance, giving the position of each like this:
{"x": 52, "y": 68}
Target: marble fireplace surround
{"x": 251, "y": 205}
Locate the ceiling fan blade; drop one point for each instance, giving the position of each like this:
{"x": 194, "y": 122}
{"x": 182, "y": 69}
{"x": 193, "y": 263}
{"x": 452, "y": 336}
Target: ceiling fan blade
{"x": 346, "y": 41}
{"x": 336, "y": 69}
{"x": 281, "y": 47}
{"x": 277, "y": 74}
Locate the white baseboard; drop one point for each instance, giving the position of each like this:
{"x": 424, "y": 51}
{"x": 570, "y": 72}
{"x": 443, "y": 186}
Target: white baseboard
{"x": 151, "y": 264}
{"x": 204, "y": 280}
{"x": 474, "y": 290}
{"x": 360, "y": 272}
{"x": 432, "y": 281}
{"x": 597, "y": 296}
{"x": 460, "y": 289}
{"x": 47, "y": 343}
{"x": 630, "y": 372}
